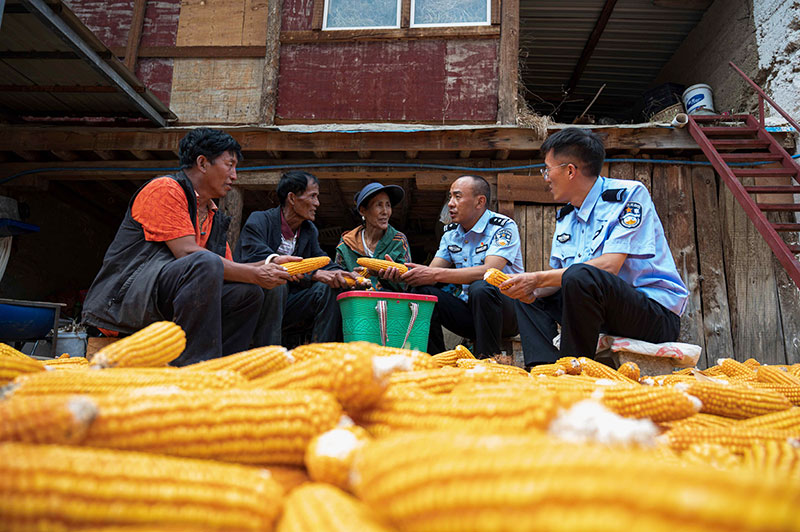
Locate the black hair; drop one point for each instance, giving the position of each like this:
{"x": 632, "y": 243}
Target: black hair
{"x": 480, "y": 187}
{"x": 209, "y": 142}
{"x": 580, "y": 144}
{"x": 295, "y": 181}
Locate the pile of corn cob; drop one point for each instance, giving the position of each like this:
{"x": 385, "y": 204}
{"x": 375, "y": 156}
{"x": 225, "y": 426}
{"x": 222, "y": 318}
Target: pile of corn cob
{"x": 361, "y": 437}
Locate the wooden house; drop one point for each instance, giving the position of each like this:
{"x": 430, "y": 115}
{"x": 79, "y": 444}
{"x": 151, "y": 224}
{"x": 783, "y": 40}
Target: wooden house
{"x": 96, "y": 95}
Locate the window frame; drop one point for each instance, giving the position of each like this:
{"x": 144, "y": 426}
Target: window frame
{"x": 398, "y": 13}
{"x": 412, "y": 24}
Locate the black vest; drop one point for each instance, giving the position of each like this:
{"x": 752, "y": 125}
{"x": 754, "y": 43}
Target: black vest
{"x": 122, "y": 296}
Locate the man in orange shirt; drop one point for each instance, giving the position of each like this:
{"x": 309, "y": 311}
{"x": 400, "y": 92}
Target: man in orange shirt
{"x": 170, "y": 259}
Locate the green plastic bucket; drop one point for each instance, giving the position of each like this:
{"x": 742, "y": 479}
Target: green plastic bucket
{"x": 387, "y": 318}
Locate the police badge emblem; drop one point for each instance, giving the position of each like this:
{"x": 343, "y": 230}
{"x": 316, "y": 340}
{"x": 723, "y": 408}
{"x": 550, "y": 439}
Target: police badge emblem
{"x": 563, "y": 238}
{"x": 503, "y": 237}
{"x": 631, "y": 215}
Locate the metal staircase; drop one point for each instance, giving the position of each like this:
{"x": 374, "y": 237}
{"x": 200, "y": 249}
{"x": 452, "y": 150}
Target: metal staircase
{"x": 740, "y": 148}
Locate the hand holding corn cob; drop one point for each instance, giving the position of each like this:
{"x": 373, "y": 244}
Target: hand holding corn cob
{"x": 306, "y": 265}
{"x": 380, "y": 265}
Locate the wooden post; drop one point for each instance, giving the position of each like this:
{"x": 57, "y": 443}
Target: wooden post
{"x": 269, "y": 87}
{"x": 508, "y": 65}
{"x": 135, "y": 34}
{"x": 232, "y": 205}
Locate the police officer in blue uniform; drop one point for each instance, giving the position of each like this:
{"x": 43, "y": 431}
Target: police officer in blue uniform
{"x": 478, "y": 239}
{"x": 612, "y": 268}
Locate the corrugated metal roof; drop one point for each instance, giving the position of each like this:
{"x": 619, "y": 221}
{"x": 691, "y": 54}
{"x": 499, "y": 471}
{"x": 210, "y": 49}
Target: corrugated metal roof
{"x": 638, "y": 41}
{"x": 52, "y": 66}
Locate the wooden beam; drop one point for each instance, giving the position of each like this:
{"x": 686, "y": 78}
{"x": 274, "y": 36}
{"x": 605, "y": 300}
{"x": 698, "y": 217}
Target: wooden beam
{"x": 28, "y": 155}
{"x": 364, "y": 154}
{"x": 142, "y": 155}
{"x": 317, "y": 14}
{"x": 320, "y": 154}
{"x": 508, "y": 68}
{"x": 464, "y": 154}
{"x": 232, "y": 205}
{"x": 66, "y": 155}
{"x": 412, "y": 154}
{"x": 105, "y": 155}
{"x": 272, "y": 53}
{"x": 275, "y": 154}
{"x": 405, "y": 14}
{"x": 502, "y": 155}
{"x": 135, "y": 34}
{"x": 258, "y": 180}
{"x": 524, "y": 188}
{"x": 590, "y": 45}
{"x": 453, "y": 32}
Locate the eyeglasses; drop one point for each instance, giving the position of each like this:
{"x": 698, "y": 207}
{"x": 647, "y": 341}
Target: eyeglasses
{"x": 546, "y": 170}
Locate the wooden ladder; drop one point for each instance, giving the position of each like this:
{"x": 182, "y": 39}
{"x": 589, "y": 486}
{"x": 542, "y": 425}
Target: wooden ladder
{"x": 740, "y": 148}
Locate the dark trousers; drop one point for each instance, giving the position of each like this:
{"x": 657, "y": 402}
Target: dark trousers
{"x": 487, "y": 317}
{"x": 218, "y": 317}
{"x": 288, "y": 309}
{"x": 590, "y": 301}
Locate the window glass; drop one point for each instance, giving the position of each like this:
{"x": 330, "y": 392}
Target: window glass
{"x": 449, "y": 12}
{"x": 354, "y": 14}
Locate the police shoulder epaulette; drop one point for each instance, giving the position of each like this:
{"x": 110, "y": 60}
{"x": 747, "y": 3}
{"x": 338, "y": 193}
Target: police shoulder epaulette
{"x": 499, "y": 220}
{"x": 450, "y": 227}
{"x": 614, "y": 194}
{"x": 565, "y": 210}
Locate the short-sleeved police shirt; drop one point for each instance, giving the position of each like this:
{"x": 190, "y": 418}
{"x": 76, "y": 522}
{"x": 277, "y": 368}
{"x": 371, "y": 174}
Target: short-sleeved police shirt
{"x": 492, "y": 234}
{"x": 618, "y": 216}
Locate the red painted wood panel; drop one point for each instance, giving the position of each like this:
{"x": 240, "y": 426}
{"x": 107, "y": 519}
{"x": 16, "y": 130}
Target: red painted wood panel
{"x": 297, "y": 15}
{"x": 428, "y": 80}
{"x": 110, "y": 20}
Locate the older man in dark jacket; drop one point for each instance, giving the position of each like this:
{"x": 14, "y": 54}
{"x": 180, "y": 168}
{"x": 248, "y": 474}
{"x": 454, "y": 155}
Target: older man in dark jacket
{"x": 289, "y": 230}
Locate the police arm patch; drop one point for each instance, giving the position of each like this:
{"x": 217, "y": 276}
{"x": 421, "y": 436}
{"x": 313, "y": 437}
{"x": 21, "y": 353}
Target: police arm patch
{"x": 631, "y": 215}
{"x": 503, "y": 237}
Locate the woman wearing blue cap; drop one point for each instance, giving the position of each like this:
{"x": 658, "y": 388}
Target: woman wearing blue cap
{"x": 375, "y": 238}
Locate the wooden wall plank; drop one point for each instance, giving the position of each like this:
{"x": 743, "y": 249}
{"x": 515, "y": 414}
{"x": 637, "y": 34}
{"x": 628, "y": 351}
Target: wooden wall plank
{"x": 269, "y": 91}
{"x": 643, "y": 172}
{"x": 548, "y": 229}
{"x": 217, "y": 23}
{"x": 621, "y": 171}
{"x": 508, "y": 67}
{"x": 520, "y": 216}
{"x": 533, "y": 251}
{"x": 214, "y": 91}
{"x": 254, "y": 29}
{"x": 523, "y": 188}
{"x": 232, "y": 205}
{"x": 788, "y": 294}
{"x": 755, "y": 321}
{"x": 716, "y": 314}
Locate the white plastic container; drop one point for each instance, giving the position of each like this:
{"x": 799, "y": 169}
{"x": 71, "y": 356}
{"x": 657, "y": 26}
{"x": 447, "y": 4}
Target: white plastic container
{"x": 698, "y": 100}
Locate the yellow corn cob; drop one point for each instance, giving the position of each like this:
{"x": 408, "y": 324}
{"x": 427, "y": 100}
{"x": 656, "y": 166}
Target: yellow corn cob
{"x": 321, "y": 350}
{"x": 775, "y": 375}
{"x": 304, "y": 266}
{"x": 735, "y": 401}
{"x": 670, "y": 380}
{"x": 250, "y": 364}
{"x": 630, "y": 370}
{"x": 751, "y": 363}
{"x": 702, "y": 420}
{"x": 570, "y": 364}
{"x": 790, "y": 391}
{"x": 67, "y": 363}
{"x": 684, "y": 371}
{"x": 736, "y": 370}
{"x": 12, "y": 366}
{"x": 548, "y": 370}
{"x": 43, "y": 420}
{"x": 289, "y": 477}
{"x": 484, "y": 409}
{"x": 380, "y": 264}
{"x": 711, "y": 454}
{"x": 737, "y": 439}
{"x": 7, "y": 350}
{"x": 320, "y": 507}
{"x": 358, "y": 281}
{"x": 431, "y": 380}
{"x": 713, "y": 371}
{"x": 657, "y": 403}
{"x": 252, "y": 427}
{"x": 774, "y": 458}
{"x": 595, "y": 369}
{"x": 329, "y": 456}
{"x": 483, "y": 365}
{"x": 784, "y": 420}
{"x": 794, "y": 369}
{"x": 419, "y": 360}
{"x": 50, "y": 487}
{"x": 446, "y": 481}
{"x": 449, "y": 358}
{"x": 95, "y": 382}
{"x": 156, "y": 345}
{"x": 495, "y": 277}
{"x": 354, "y": 374}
